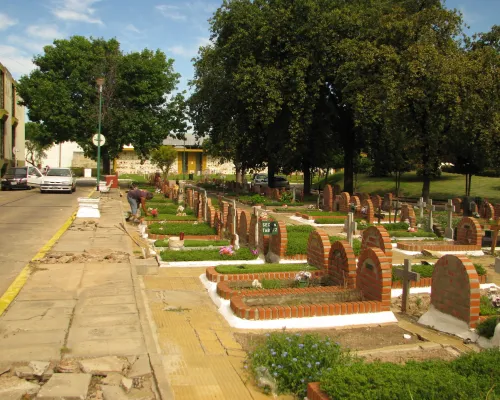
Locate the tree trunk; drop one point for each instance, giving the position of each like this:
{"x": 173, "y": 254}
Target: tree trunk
{"x": 349, "y": 168}
{"x": 470, "y": 185}
{"x": 426, "y": 186}
{"x": 307, "y": 178}
{"x": 106, "y": 165}
{"x": 466, "y": 185}
{"x": 326, "y": 178}
{"x": 238, "y": 174}
{"x": 243, "y": 175}
{"x": 271, "y": 171}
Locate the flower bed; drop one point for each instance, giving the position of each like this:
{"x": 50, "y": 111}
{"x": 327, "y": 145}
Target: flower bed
{"x": 418, "y": 233}
{"x": 170, "y": 217}
{"x": 251, "y": 272}
{"x": 195, "y": 243}
{"x": 297, "y": 238}
{"x": 206, "y": 255}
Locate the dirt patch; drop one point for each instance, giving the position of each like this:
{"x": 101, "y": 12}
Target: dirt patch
{"x": 83, "y": 225}
{"x": 418, "y": 304}
{"x": 90, "y": 256}
{"x": 362, "y": 338}
{"x": 401, "y": 357}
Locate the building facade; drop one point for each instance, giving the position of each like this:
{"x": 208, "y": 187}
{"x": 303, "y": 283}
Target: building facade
{"x": 12, "y": 147}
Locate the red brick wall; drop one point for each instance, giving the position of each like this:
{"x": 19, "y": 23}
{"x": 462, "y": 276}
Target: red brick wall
{"x": 328, "y": 197}
{"x": 370, "y": 211}
{"x": 230, "y": 219}
{"x": 263, "y": 240}
{"x": 278, "y": 243}
{"x": 363, "y": 196}
{"x": 211, "y": 216}
{"x": 336, "y": 190}
{"x": 357, "y": 203}
{"x": 377, "y": 236}
{"x": 243, "y": 224}
{"x": 315, "y": 393}
{"x": 408, "y": 213}
{"x": 218, "y": 225}
{"x": 275, "y": 194}
{"x": 318, "y": 249}
{"x": 251, "y": 231}
{"x": 189, "y": 197}
{"x": 344, "y": 202}
{"x": 455, "y": 288}
{"x": 469, "y": 231}
{"x": 487, "y": 211}
{"x": 342, "y": 264}
{"x": 497, "y": 210}
{"x": 224, "y": 210}
{"x": 388, "y": 197}
{"x": 374, "y": 276}
{"x": 377, "y": 201}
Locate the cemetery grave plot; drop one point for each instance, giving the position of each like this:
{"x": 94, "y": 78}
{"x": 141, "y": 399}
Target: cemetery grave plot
{"x": 403, "y": 230}
{"x": 208, "y": 254}
{"x": 289, "y": 242}
{"x": 158, "y": 230}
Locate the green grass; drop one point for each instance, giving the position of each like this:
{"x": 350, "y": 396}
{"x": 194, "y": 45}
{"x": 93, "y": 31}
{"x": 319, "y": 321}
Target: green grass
{"x": 288, "y": 209}
{"x": 445, "y": 187}
{"x": 298, "y": 236}
{"x": 177, "y": 228}
{"x": 243, "y": 253}
{"x": 331, "y": 221}
{"x": 161, "y": 243}
{"x": 205, "y": 243}
{"x": 255, "y": 269}
{"x": 134, "y": 177}
{"x": 315, "y": 213}
{"x": 487, "y": 327}
{"x": 171, "y": 217}
{"x": 412, "y": 234}
{"x": 356, "y": 243}
{"x": 486, "y": 308}
{"x": 425, "y": 270}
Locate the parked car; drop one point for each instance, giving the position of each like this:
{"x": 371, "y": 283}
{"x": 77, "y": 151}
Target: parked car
{"x": 279, "y": 181}
{"x": 21, "y": 178}
{"x": 58, "y": 179}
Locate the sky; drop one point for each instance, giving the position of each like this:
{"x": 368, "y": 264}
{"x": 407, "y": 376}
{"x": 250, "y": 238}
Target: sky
{"x": 176, "y": 27}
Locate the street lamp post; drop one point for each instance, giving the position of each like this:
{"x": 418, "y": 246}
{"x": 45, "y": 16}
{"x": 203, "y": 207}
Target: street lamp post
{"x": 184, "y": 162}
{"x": 100, "y": 83}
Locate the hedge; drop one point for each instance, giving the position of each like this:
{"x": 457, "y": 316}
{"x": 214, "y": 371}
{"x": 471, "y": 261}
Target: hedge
{"x": 176, "y": 228}
{"x": 243, "y": 253}
{"x": 298, "y": 236}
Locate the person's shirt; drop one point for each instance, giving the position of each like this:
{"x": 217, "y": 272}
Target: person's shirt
{"x": 136, "y": 194}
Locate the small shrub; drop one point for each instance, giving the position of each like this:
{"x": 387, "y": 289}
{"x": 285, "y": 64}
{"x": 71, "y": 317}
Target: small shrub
{"x": 480, "y": 269}
{"x": 293, "y": 360}
{"x": 286, "y": 197}
{"x": 271, "y": 284}
{"x": 424, "y": 270}
{"x": 206, "y": 255}
{"x": 486, "y": 308}
{"x": 177, "y": 228}
{"x": 171, "y": 217}
{"x": 161, "y": 243}
{"x": 396, "y": 226}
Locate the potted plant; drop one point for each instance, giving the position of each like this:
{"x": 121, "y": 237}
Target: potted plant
{"x": 303, "y": 278}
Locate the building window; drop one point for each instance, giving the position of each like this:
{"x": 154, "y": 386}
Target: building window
{"x": 2, "y": 92}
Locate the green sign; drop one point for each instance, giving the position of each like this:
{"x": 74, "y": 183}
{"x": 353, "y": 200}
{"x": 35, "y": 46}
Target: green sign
{"x": 269, "y": 228}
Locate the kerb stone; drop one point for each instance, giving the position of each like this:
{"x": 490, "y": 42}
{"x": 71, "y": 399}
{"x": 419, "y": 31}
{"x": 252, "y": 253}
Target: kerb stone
{"x": 66, "y": 386}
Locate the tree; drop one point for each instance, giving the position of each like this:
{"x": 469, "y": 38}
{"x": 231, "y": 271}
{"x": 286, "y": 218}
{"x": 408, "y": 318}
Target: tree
{"x": 38, "y": 140}
{"x": 164, "y": 157}
{"x": 62, "y": 94}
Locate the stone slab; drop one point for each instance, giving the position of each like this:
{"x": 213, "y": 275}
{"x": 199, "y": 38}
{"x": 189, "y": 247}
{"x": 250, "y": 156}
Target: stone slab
{"x": 108, "y": 300}
{"x": 48, "y": 322}
{"x": 66, "y": 386}
{"x": 130, "y": 331}
{"x": 140, "y": 368}
{"x": 103, "y": 365}
{"x": 28, "y": 338}
{"x": 99, "y": 348}
{"x": 112, "y": 379}
{"x": 13, "y": 388}
{"x": 25, "y": 310}
{"x": 117, "y": 393}
{"x": 111, "y": 320}
{"x": 108, "y": 309}
{"x": 39, "y": 367}
{"x": 26, "y": 353}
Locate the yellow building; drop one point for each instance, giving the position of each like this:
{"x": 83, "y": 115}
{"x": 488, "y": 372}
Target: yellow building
{"x": 11, "y": 122}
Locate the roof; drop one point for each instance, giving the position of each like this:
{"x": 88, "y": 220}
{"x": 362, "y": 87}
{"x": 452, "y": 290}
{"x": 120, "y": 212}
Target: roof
{"x": 191, "y": 140}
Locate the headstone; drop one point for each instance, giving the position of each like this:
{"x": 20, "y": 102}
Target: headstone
{"x": 377, "y": 237}
{"x": 318, "y": 249}
{"x": 448, "y": 231}
{"x": 350, "y": 227}
{"x": 342, "y": 265}
{"x": 374, "y": 277}
{"x": 408, "y": 275}
{"x": 469, "y": 232}
{"x": 431, "y": 209}
{"x": 494, "y": 227}
{"x": 421, "y": 205}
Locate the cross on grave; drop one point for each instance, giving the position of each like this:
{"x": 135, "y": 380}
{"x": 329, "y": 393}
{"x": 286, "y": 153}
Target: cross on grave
{"x": 431, "y": 208}
{"x": 408, "y": 275}
{"x": 379, "y": 215}
{"x": 421, "y": 205}
{"x": 494, "y": 227}
{"x": 293, "y": 195}
{"x": 350, "y": 227}
{"x": 450, "y": 208}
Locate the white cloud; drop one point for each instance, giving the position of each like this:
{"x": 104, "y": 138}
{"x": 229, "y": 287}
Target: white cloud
{"x": 190, "y": 51}
{"x": 6, "y": 21}
{"x": 171, "y": 12}
{"x": 132, "y": 28}
{"x": 16, "y": 61}
{"x": 44, "y": 32}
{"x": 76, "y": 10}
{"x": 21, "y": 41}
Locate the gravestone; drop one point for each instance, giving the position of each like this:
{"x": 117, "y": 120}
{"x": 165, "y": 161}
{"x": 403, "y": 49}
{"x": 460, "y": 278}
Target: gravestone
{"x": 355, "y": 205}
{"x": 374, "y": 277}
{"x": 387, "y": 202}
{"x": 278, "y": 244}
{"x": 377, "y": 237}
{"x": 243, "y": 225}
{"x": 457, "y": 203}
{"x": 253, "y": 237}
{"x": 350, "y": 227}
{"x": 408, "y": 276}
{"x": 379, "y": 215}
{"x": 368, "y": 211}
{"x": 377, "y": 201}
{"x": 336, "y": 190}
{"x": 421, "y": 205}
{"x": 342, "y": 265}
{"x": 211, "y": 216}
{"x": 487, "y": 210}
{"x": 431, "y": 209}
{"x": 494, "y": 227}
{"x": 455, "y": 288}
{"x": 448, "y": 231}
{"x": 344, "y": 202}
{"x": 318, "y": 249}
{"x": 328, "y": 198}
{"x": 469, "y": 232}
{"x": 408, "y": 213}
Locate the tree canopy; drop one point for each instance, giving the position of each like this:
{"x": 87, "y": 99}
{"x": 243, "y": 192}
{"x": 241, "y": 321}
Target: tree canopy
{"x": 138, "y": 105}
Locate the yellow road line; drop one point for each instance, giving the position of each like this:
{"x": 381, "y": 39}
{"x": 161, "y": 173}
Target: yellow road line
{"x": 16, "y": 286}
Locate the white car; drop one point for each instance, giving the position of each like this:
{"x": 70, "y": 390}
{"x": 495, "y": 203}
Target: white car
{"x": 58, "y": 179}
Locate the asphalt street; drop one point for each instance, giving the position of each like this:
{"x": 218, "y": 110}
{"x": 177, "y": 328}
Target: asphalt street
{"x": 28, "y": 219}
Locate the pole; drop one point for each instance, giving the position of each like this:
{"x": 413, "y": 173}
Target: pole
{"x": 99, "y": 141}
{"x": 184, "y": 162}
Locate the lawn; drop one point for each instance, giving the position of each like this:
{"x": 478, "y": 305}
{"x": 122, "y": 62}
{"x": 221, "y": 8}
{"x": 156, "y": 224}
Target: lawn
{"x": 260, "y": 268}
{"x": 443, "y": 188}
{"x": 177, "y": 228}
{"x": 298, "y": 236}
{"x": 243, "y": 253}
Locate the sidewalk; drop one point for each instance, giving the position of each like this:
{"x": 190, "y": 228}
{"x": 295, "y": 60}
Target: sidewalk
{"x": 80, "y": 302}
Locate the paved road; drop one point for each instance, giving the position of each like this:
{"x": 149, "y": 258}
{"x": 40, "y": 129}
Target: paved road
{"x": 28, "y": 219}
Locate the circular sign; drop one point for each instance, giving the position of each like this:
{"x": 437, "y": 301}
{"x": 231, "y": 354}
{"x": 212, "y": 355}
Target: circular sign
{"x": 95, "y": 140}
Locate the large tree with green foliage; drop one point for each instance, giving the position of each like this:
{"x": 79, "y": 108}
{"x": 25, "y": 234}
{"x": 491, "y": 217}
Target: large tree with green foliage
{"x": 137, "y": 110}
{"x": 38, "y": 141}
{"x": 164, "y": 157}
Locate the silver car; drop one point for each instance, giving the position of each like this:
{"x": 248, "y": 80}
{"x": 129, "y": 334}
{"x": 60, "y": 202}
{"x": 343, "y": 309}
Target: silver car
{"x": 58, "y": 179}
{"x": 279, "y": 181}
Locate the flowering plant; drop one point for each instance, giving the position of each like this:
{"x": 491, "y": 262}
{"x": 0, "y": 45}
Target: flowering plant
{"x": 226, "y": 251}
{"x": 411, "y": 229}
{"x": 154, "y": 212}
{"x": 255, "y": 252}
{"x": 303, "y": 276}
